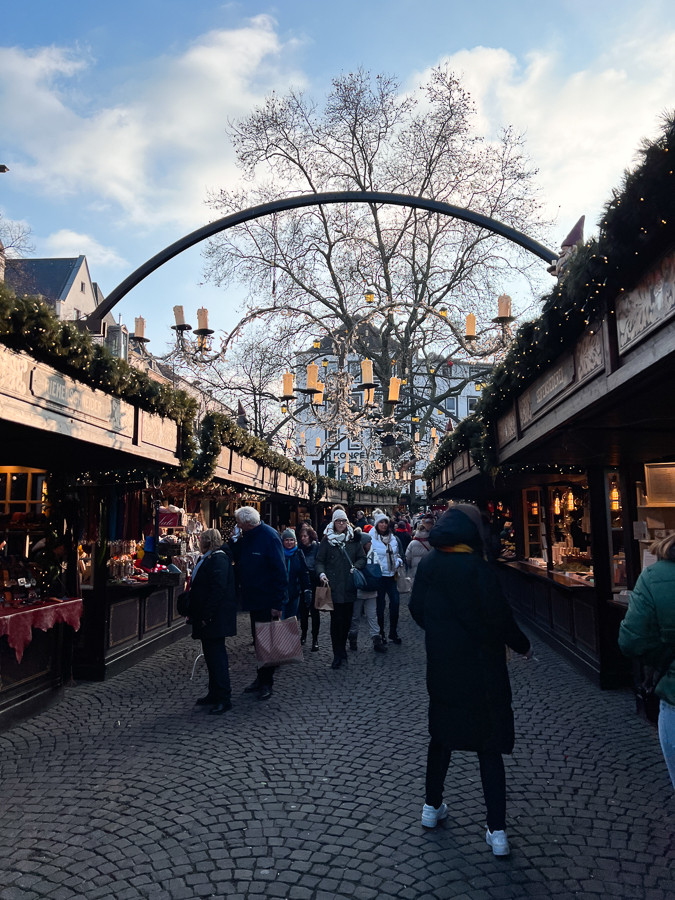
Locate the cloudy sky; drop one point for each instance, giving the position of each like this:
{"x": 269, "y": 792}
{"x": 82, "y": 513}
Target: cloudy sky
{"x": 114, "y": 115}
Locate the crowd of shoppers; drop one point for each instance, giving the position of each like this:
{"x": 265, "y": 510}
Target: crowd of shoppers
{"x": 455, "y": 598}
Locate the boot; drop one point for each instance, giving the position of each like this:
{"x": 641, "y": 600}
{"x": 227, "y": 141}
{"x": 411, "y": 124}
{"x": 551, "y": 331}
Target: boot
{"x": 378, "y": 645}
{"x": 353, "y": 640}
{"x": 303, "y": 637}
{"x": 315, "y": 645}
{"x": 337, "y": 662}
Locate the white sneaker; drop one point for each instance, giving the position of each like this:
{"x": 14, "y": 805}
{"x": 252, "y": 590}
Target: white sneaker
{"x": 432, "y": 816}
{"x": 498, "y": 841}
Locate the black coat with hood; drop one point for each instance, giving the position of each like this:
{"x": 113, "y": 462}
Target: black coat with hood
{"x": 459, "y": 603}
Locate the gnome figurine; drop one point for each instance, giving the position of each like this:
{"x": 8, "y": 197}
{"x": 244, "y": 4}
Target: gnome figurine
{"x": 569, "y": 246}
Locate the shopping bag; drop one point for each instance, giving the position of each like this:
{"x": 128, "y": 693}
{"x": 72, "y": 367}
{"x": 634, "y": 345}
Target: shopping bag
{"x": 322, "y": 598}
{"x": 277, "y": 642}
{"x": 404, "y": 582}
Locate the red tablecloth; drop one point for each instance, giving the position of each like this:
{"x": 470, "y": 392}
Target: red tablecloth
{"x": 17, "y": 624}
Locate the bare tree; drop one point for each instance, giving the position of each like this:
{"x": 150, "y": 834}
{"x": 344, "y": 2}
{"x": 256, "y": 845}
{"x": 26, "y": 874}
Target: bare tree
{"x": 15, "y": 237}
{"x": 425, "y": 271}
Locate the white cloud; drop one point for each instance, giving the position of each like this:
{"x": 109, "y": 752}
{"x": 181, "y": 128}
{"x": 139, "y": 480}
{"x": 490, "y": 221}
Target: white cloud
{"x": 582, "y": 128}
{"x": 69, "y": 243}
{"x": 153, "y": 156}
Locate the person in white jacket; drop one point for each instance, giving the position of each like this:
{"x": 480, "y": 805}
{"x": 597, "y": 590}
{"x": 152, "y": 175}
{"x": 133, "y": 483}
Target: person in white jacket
{"x": 419, "y": 546}
{"x": 386, "y": 547}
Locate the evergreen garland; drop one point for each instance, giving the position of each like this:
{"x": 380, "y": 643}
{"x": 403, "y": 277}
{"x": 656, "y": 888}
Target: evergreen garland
{"x": 637, "y": 228}
{"x": 29, "y": 325}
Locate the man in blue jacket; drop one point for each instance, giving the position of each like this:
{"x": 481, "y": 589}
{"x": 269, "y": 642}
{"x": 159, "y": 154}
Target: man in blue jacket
{"x": 260, "y": 573}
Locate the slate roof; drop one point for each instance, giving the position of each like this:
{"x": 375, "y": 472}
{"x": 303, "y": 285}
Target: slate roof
{"x": 49, "y": 278}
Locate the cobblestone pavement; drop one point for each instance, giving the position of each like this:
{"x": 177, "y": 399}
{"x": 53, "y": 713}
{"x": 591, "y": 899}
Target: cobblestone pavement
{"x": 126, "y": 790}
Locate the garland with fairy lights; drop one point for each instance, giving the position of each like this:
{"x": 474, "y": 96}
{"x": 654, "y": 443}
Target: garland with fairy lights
{"x": 636, "y": 230}
{"x": 218, "y": 430}
{"x": 29, "y": 325}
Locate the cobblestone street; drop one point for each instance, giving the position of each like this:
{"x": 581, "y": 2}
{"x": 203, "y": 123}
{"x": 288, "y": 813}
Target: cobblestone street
{"x": 126, "y": 790}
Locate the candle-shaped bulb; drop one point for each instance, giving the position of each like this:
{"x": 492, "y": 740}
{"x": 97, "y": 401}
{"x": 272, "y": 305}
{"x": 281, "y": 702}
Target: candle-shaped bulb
{"x": 471, "y": 325}
{"x": 504, "y": 306}
{"x": 288, "y": 384}
{"x": 367, "y": 371}
{"x": 179, "y": 315}
{"x": 312, "y": 374}
{"x": 394, "y": 389}
{"x": 318, "y": 443}
{"x": 139, "y": 327}
{"x": 203, "y": 317}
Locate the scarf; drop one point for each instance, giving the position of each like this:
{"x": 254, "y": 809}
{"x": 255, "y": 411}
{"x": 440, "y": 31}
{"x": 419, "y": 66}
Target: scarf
{"x": 337, "y": 539}
{"x": 457, "y": 548}
{"x": 391, "y": 561}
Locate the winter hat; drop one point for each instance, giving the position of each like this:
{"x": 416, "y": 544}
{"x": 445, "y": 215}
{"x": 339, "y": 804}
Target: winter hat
{"x": 379, "y": 519}
{"x": 289, "y": 535}
{"x": 471, "y": 512}
{"x": 366, "y": 538}
{"x": 339, "y": 514}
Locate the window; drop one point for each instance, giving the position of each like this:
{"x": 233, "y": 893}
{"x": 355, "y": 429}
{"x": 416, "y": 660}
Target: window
{"x": 451, "y": 405}
{"x": 77, "y": 313}
{"x": 83, "y": 287}
{"x": 22, "y": 491}
{"x": 471, "y": 404}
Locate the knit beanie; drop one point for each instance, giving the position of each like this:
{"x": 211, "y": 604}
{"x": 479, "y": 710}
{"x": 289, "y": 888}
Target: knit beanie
{"x": 339, "y": 514}
{"x": 366, "y": 538}
{"x": 289, "y": 534}
{"x": 380, "y": 518}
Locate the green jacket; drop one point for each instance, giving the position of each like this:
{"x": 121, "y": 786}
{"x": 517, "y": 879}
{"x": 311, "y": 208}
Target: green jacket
{"x": 648, "y": 630}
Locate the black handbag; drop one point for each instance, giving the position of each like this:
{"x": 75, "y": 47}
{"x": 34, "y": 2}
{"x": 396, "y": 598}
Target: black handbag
{"x": 183, "y": 604}
{"x": 646, "y": 701}
{"x": 372, "y": 572}
{"x": 358, "y": 578}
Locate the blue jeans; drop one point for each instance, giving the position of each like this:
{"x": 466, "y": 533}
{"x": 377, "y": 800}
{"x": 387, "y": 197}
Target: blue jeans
{"x": 386, "y": 589}
{"x": 667, "y": 736}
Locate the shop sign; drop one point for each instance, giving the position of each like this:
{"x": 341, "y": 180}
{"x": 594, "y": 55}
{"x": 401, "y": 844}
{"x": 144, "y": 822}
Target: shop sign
{"x": 506, "y": 428}
{"x": 80, "y": 401}
{"x": 159, "y": 432}
{"x": 648, "y": 306}
{"x": 589, "y": 355}
{"x": 551, "y": 385}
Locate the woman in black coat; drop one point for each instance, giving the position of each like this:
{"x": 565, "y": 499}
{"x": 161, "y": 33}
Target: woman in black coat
{"x": 467, "y": 621}
{"x": 339, "y": 553}
{"x": 213, "y": 613}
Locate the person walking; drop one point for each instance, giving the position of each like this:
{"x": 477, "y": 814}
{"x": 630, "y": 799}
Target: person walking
{"x": 360, "y": 520}
{"x": 260, "y": 574}
{"x": 388, "y": 553}
{"x": 467, "y": 622}
{"x": 648, "y": 631}
{"x": 299, "y": 591}
{"x": 419, "y": 546}
{"x": 213, "y": 613}
{"x": 339, "y": 553}
{"x": 309, "y": 547}
{"x": 366, "y": 602}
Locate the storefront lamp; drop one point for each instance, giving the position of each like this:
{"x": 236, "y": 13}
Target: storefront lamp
{"x": 614, "y": 497}
{"x": 316, "y": 344}
{"x": 556, "y": 505}
{"x": 369, "y": 295}
{"x": 534, "y": 509}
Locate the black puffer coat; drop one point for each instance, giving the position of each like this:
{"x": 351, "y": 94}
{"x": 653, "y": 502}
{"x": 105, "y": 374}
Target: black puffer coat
{"x": 213, "y": 606}
{"x": 457, "y": 599}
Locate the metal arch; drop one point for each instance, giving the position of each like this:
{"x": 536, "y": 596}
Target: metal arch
{"x": 266, "y": 209}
